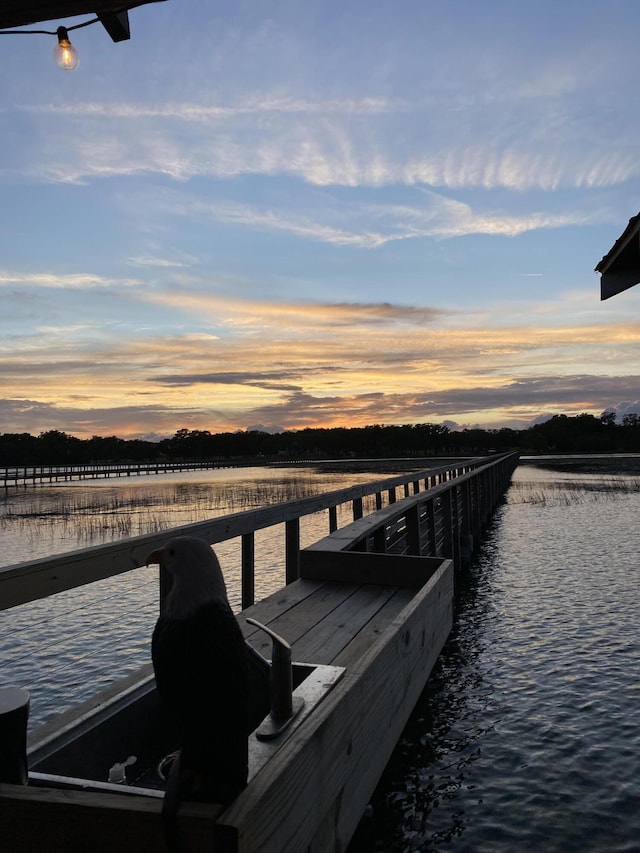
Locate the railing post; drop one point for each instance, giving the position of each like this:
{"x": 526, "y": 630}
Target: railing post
{"x": 357, "y": 508}
{"x": 292, "y": 549}
{"x": 333, "y": 519}
{"x": 475, "y": 507}
{"x": 380, "y": 540}
{"x": 378, "y": 500}
{"x": 412, "y": 520}
{"x": 467, "y": 540}
{"x": 432, "y": 547}
{"x": 248, "y": 569}
{"x": 447, "y": 524}
{"x": 455, "y": 524}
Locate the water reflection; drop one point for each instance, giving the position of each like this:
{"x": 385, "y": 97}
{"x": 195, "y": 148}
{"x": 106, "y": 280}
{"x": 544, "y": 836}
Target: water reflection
{"x": 527, "y": 736}
{"x": 40, "y": 521}
{"x": 419, "y": 802}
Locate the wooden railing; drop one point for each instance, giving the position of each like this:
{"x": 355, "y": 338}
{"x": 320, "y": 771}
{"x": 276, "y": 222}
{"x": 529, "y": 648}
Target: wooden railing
{"x": 448, "y": 504}
{"x": 446, "y": 520}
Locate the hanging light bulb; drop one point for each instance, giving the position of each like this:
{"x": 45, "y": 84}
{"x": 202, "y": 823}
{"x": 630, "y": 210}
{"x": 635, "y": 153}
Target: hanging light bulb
{"x": 64, "y": 53}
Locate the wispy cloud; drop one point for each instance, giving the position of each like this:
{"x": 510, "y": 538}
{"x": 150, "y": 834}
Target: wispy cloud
{"x": 66, "y": 281}
{"x": 362, "y": 224}
{"x": 153, "y": 261}
{"x": 328, "y": 154}
{"x": 192, "y": 112}
{"x": 295, "y": 316}
{"x": 533, "y": 135}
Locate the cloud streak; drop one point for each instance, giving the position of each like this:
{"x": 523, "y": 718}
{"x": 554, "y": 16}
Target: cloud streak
{"x": 68, "y": 281}
{"x": 465, "y": 133}
{"x": 353, "y": 224}
{"x": 325, "y": 364}
{"x": 518, "y": 402}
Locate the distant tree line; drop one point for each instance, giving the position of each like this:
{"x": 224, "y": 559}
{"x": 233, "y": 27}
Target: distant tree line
{"x": 561, "y": 434}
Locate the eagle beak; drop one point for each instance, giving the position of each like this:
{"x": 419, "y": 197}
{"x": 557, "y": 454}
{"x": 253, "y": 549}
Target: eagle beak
{"x": 155, "y": 557}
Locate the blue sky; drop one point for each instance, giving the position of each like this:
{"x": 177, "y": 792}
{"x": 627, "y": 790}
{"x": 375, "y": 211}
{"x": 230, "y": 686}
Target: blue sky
{"x": 318, "y": 213}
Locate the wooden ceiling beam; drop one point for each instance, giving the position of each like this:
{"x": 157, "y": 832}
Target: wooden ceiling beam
{"x": 20, "y": 13}
{"x": 620, "y": 268}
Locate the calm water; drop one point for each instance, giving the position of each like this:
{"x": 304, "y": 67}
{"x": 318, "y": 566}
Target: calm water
{"x": 528, "y": 734}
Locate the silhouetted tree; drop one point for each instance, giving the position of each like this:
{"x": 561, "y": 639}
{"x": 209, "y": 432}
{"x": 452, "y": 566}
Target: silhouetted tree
{"x": 560, "y": 434}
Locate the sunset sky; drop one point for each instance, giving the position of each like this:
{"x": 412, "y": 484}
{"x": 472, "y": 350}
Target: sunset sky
{"x": 319, "y": 213}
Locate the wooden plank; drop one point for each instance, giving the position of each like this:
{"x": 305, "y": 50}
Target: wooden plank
{"x": 357, "y": 509}
{"x": 376, "y": 626}
{"x": 366, "y": 568}
{"x": 338, "y": 629}
{"x": 277, "y": 603}
{"x": 287, "y": 598}
{"x": 287, "y": 805}
{"x": 294, "y": 623}
{"x": 63, "y": 821}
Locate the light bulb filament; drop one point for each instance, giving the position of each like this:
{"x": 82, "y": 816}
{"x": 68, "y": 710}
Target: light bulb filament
{"x": 64, "y": 53}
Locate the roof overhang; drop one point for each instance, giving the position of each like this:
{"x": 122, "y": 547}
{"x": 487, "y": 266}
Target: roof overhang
{"x": 620, "y": 268}
{"x": 113, "y": 14}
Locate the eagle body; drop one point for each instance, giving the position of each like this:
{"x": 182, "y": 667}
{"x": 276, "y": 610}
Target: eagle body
{"x": 200, "y": 661}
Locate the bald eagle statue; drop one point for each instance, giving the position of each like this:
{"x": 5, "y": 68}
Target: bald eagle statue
{"x": 201, "y": 668}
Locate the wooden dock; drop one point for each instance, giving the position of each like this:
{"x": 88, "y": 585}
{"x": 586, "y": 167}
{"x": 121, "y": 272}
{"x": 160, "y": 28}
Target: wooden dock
{"x": 388, "y": 636}
{"x": 311, "y": 794}
{"x": 371, "y": 597}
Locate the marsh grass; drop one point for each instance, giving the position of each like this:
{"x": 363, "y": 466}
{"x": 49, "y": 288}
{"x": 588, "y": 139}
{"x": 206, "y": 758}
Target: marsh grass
{"x": 572, "y": 492}
{"x": 88, "y": 516}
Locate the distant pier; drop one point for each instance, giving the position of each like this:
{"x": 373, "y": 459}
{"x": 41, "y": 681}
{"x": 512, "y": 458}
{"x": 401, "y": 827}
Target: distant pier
{"x": 32, "y": 475}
